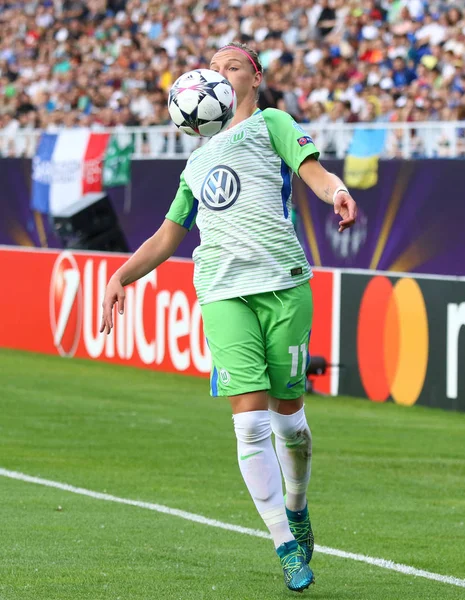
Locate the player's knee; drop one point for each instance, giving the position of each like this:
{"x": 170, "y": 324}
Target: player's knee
{"x": 291, "y": 427}
{"x": 252, "y": 427}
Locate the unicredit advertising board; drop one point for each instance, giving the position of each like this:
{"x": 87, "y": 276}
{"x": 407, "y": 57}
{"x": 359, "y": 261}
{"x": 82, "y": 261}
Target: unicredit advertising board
{"x": 391, "y": 337}
{"x": 54, "y": 299}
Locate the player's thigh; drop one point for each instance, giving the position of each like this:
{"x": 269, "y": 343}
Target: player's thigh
{"x": 287, "y": 340}
{"x": 237, "y": 347}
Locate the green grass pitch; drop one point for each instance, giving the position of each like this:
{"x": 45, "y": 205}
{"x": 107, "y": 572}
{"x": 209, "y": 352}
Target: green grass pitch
{"x": 387, "y": 482}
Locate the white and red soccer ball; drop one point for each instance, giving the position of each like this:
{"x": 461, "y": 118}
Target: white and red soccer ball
{"x": 202, "y": 103}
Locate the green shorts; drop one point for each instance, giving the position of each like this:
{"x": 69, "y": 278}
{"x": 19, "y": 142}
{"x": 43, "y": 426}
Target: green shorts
{"x": 260, "y": 342}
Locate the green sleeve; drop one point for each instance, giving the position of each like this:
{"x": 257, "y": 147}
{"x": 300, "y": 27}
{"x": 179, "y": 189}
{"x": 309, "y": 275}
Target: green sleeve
{"x": 288, "y": 138}
{"x": 183, "y": 209}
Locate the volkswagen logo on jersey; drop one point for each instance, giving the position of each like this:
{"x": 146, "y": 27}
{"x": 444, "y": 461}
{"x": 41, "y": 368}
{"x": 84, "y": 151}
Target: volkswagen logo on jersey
{"x": 221, "y": 188}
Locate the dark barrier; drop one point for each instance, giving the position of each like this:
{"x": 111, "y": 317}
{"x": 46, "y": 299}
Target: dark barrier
{"x": 19, "y": 226}
{"x": 411, "y": 221}
{"x": 140, "y": 207}
{"x": 403, "y": 338}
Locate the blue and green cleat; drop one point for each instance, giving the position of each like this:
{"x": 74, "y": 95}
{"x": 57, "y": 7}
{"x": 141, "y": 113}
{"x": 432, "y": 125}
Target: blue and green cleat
{"x": 301, "y": 529}
{"x": 297, "y": 574}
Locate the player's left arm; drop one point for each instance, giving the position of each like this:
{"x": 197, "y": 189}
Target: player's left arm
{"x": 329, "y": 188}
{"x": 298, "y": 151}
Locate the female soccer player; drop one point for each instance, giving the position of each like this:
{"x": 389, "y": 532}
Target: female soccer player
{"x": 251, "y": 278}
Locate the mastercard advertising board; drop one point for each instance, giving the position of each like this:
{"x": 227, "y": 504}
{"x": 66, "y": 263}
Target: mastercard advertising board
{"x": 396, "y": 338}
{"x": 403, "y": 338}
{"x": 53, "y": 305}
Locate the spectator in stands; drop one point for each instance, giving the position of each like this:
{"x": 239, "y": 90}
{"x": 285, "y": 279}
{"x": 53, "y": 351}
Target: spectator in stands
{"x": 105, "y": 62}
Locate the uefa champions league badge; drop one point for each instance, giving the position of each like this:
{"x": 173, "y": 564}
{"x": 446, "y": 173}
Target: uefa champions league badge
{"x": 304, "y": 140}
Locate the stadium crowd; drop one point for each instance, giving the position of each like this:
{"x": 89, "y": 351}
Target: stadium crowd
{"x": 100, "y": 63}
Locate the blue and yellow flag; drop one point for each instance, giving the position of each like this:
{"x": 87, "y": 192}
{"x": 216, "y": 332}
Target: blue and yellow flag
{"x": 361, "y": 162}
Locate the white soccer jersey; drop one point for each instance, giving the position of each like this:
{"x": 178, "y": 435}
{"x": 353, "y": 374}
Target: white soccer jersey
{"x": 237, "y": 188}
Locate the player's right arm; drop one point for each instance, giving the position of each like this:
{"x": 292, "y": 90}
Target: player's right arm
{"x": 149, "y": 256}
{"x": 152, "y": 253}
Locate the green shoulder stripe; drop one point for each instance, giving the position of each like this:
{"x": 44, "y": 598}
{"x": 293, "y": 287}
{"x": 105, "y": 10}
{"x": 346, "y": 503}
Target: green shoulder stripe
{"x": 288, "y": 138}
{"x": 183, "y": 209}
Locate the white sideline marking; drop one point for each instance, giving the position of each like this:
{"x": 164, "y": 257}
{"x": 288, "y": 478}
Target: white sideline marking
{"x": 377, "y": 562}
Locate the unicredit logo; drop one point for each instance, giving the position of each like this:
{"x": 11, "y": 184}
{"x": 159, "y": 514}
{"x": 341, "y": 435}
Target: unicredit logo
{"x": 159, "y": 327}
{"x": 65, "y": 301}
{"x": 393, "y": 340}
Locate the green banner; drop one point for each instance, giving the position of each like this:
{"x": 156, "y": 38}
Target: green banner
{"x": 117, "y": 163}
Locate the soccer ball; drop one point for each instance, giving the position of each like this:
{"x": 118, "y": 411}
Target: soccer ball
{"x": 202, "y": 103}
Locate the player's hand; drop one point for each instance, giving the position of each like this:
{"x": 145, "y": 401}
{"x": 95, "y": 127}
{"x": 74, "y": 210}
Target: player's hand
{"x": 345, "y": 207}
{"x": 113, "y": 294}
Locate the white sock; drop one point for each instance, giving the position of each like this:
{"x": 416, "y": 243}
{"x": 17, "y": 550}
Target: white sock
{"x": 294, "y": 450}
{"x": 260, "y": 470}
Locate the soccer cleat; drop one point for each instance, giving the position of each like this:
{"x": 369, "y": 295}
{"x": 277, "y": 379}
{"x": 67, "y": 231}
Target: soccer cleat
{"x": 297, "y": 574}
{"x": 301, "y": 529}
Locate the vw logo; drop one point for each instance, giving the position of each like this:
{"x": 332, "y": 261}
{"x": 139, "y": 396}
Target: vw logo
{"x": 221, "y": 188}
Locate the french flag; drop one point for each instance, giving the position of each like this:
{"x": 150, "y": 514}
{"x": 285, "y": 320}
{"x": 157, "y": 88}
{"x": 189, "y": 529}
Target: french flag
{"x": 66, "y": 166}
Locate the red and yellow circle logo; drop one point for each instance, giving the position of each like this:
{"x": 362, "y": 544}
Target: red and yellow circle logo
{"x": 392, "y": 340}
